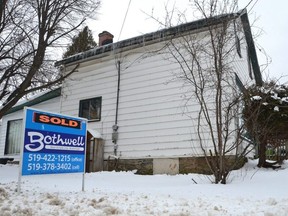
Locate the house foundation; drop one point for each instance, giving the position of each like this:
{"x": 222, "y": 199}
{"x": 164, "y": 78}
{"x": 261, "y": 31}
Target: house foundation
{"x": 170, "y": 166}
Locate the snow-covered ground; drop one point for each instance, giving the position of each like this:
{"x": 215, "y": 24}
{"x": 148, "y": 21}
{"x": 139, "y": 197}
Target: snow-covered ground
{"x": 252, "y": 191}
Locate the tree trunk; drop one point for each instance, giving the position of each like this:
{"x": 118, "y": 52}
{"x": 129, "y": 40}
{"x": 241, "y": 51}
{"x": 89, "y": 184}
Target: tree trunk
{"x": 262, "y": 152}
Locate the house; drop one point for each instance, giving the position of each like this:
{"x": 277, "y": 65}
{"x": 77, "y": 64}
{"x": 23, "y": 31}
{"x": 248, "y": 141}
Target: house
{"x": 130, "y": 94}
{"x": 11, "y": 128}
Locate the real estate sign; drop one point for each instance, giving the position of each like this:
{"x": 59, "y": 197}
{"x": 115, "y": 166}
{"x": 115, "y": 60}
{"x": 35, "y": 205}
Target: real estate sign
{"x": 53, "y": 143}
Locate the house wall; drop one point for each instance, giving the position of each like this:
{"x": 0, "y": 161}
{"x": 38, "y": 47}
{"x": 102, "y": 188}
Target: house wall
{"x": 241, "y": 64}
{"x": 153, "y": 119}
{"x": 52, "y": 105}
{"x": 150, "y": 117}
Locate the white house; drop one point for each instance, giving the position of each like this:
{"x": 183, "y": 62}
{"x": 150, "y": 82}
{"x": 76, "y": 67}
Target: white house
{"x": 130, "y": 93}
{"x": 11, "y": 128}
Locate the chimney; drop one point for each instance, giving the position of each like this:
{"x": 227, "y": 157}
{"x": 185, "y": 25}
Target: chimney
{"x": 105, "y": 38}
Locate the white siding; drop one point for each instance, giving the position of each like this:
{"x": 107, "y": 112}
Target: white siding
{"x": 52, "y": 105}
{"x": 151, "y": 116}
{"x": 241, "y": 65}
{"x": 153, "y": 119}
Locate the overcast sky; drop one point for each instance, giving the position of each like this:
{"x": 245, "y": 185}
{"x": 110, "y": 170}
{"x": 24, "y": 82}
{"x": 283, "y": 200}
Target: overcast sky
{"x": 270, "y": 16}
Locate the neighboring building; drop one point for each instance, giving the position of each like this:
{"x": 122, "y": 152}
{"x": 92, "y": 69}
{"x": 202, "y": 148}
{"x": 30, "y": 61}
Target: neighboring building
{"x": 128, "y": 92}
{"x": 11, "y": 128}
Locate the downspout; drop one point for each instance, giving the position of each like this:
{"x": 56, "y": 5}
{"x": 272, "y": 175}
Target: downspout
{"x": 115, "y": 126}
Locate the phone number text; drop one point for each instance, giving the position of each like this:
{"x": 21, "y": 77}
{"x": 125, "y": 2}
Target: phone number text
{"x": 50, "y": 166}
{"x": 52, "y": 158}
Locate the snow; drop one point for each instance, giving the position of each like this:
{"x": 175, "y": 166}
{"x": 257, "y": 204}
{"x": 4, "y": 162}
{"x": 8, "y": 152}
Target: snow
{"x": 251, "y": 191}
{"x": 276, "y": 109}
{"x": 284, "y": 99}
{"x": 275, "y": 96}
{"x": 256, "y": 97}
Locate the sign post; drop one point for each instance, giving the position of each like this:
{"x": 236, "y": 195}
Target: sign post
{"x": 53, "y": 143}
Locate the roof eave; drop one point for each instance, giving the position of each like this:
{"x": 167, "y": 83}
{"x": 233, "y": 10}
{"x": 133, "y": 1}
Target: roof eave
{"x": 251, "y": 47}
{"x": 47, "y": 96}
{"x": 142, "y": 40}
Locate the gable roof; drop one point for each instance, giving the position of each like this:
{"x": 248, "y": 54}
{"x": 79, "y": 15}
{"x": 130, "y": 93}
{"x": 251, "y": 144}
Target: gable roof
{"x": 167, "y": 33}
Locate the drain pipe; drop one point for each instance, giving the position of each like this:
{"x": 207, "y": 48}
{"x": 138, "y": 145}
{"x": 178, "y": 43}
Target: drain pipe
{"x": 115, "y": 126}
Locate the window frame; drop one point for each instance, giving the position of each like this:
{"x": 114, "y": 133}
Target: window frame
{"x": 7, "y": 144}
{"x": 81, "y": 102}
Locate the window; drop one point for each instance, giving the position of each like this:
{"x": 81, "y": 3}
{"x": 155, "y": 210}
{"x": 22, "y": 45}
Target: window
{"x": 91, "y": 109}
{"x": 14, "y": 137}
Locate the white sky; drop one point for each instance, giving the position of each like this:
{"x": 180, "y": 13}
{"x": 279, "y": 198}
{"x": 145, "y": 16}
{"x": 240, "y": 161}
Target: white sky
{"x": 270, "y": 16}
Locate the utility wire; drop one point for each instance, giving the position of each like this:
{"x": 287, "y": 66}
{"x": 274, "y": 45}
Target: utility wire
{"x": 124, "y": 19}
{"x": 253, "y": 6}
{"x": 248, "y": 3}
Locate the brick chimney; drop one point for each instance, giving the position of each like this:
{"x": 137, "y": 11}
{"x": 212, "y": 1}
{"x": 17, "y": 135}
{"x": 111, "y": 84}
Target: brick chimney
{"x": 105, "y": 38}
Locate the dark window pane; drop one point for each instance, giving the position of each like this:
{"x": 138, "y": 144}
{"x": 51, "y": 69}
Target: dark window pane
{"x": 85, "y": 109}
{"x": 91, "y": 108}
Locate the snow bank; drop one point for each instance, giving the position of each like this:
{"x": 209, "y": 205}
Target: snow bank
{"x": 252, "y": 191}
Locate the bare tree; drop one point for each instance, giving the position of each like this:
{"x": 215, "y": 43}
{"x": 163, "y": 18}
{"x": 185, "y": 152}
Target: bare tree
{"x": 207, "y": 69}
{"x": 29, "y": 29}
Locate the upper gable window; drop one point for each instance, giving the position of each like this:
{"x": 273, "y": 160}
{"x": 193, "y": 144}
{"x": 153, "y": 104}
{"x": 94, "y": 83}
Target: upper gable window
{"x": 90, "y": 108}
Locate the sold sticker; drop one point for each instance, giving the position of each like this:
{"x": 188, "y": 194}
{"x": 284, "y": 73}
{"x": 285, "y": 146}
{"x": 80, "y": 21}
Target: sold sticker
{"x": 55, "y": 120}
